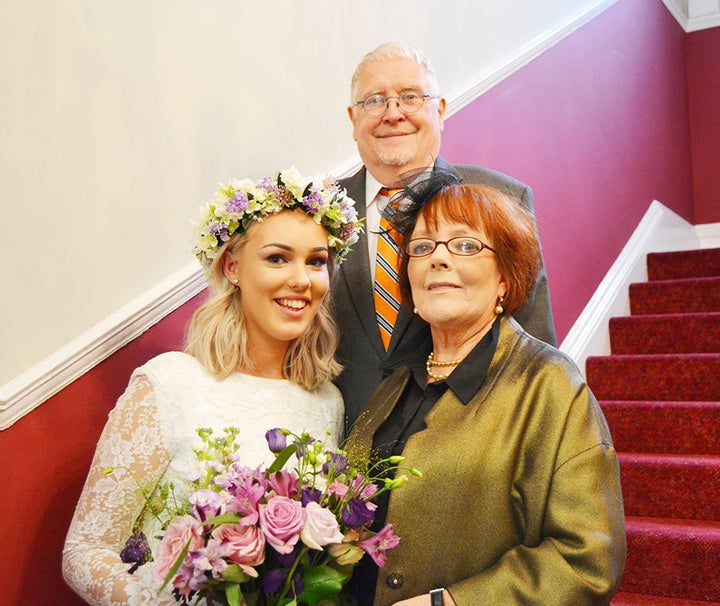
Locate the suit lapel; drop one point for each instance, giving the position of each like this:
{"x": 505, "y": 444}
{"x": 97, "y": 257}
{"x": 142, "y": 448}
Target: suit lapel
{"x": 360, "y": 292}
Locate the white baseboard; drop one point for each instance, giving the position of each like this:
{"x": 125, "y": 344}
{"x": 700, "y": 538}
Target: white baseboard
{"x": 33, "y": 387}
{"x": 660, "y": 230}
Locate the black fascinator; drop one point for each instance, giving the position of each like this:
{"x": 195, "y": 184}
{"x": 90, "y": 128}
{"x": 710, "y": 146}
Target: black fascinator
{"x": 416, "y": 190}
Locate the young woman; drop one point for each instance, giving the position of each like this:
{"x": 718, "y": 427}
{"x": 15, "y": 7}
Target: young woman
{"x": 259, "y": 355}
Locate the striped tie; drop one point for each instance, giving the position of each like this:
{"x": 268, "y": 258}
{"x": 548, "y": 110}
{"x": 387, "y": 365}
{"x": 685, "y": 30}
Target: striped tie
{"x": 387, "y": 286}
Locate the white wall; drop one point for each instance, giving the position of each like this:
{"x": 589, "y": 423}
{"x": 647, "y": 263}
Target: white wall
{"x": 119, "y": 118}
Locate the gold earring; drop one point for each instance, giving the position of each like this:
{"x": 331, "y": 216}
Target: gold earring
{"x": 499, "y": 308}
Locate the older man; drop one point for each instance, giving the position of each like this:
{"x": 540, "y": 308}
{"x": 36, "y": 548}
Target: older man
{"x": 397, "y": 112}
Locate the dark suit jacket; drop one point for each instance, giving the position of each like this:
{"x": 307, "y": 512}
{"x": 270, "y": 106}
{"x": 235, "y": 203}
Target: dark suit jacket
{"x": 520, "y": 500}
{"x": 360, "y": 350}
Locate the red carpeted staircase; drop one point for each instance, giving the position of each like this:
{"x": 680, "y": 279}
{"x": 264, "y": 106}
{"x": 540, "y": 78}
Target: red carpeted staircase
{"x": 660, "y": 391}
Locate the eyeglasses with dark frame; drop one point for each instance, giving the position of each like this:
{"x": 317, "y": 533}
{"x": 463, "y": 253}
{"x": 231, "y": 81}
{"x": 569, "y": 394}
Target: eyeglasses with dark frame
{"x": 462, "y": 246}
{"x": 409, "y": 102}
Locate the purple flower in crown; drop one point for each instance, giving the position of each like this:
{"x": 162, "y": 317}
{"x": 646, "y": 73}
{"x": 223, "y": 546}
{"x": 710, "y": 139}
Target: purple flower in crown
{"x": 266, "y": 183}
{"x": 239, "y": 203}
{"x": 219, "y": 229}
{"x": 313, "y": 201}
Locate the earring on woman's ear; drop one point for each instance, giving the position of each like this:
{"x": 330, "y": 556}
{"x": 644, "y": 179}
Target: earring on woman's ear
{"x": 499, "y": 308}
{"x": 414, "y": 310}
{"x": 235, "y": 281}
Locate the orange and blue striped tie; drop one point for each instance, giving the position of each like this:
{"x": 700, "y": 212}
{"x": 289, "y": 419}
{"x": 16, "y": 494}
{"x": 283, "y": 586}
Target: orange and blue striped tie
{"x": 387, "y": 285}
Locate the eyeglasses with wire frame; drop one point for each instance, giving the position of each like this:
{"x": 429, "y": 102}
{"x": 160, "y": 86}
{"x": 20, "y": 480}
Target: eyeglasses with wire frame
{"x": 409, "y": 102}
{"x": 462, "y": 246}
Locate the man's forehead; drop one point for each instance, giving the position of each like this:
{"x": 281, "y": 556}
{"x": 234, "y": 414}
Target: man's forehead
{"x": 398, "y": 74}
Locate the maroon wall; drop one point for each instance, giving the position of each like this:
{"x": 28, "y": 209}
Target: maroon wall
{"x": 45, "y": 458}
{"x": 599, "y": 127}
{"x": 704, "y": 94}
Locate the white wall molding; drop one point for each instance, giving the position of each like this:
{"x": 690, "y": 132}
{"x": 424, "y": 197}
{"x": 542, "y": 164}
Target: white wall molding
{"x": 709, "y": 234}
{"x": 695, "y": 15}
{"x": 660, "y": 230}
{"x": 33, "y": 387}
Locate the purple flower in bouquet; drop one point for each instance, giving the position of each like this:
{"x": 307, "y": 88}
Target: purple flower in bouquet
{"x": 338, "y": 463}
{"x": 377, "y": 546}
{"x": 136, "y": 551}
{"x": 310, "y": 495}
{"x": 270, "y": 536}
{"x": 276, "y": 578}
{"x": 247, "y": 487}
{"x": 276, "y": 439}
{"x": 210, "y": 559}
{"x": 358, "y": 512}
{"x": 206, "y": 504}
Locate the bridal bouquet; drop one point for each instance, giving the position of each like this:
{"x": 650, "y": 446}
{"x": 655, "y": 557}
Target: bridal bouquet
{"x": 268, "y": 537}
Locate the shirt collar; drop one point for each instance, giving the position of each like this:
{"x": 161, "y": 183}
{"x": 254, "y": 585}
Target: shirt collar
{"x": 372, "y": 187}
{"x": 466, "y": 379}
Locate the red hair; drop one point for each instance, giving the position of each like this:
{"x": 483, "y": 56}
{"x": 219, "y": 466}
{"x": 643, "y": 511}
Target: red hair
{"x": 509, "y": 227}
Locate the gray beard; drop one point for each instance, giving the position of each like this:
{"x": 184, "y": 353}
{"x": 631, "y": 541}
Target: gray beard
{"x": 397, "y": 158}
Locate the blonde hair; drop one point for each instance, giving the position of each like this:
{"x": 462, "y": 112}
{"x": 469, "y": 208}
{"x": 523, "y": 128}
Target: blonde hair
{"x": 217, "y": 334}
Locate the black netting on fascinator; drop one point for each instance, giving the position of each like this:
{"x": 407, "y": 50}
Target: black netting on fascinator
{"x": 415, "y": 191}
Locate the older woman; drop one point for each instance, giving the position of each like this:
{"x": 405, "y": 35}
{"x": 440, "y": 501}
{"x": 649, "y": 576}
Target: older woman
{"x": 520, "y": 502}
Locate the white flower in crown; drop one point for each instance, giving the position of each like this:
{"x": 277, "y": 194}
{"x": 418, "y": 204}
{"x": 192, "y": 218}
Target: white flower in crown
{"x": 236, "y": 205}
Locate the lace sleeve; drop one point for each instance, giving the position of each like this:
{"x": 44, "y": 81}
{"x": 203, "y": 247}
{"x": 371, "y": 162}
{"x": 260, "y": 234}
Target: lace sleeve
{"x": 110, "y": 504}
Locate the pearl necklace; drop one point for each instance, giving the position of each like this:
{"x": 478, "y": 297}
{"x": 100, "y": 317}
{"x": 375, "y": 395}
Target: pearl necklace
{"x": 432, "y": 362}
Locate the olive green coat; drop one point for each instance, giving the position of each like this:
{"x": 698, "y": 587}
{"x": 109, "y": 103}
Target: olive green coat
{"x": 520, "y": 501}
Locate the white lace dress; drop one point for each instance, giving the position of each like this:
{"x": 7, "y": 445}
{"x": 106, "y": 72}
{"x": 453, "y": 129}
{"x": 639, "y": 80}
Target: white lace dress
{"x": 152, "y": 429}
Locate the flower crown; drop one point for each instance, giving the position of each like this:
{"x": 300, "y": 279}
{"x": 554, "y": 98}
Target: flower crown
{"x": 237, "y": 204}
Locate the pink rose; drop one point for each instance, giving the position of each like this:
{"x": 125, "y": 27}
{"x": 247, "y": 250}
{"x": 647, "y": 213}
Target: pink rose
{"x": 321, "y": 527}
{"x": 181, "y": 530}
{"x": 247, "y": 545}
{"x": 282, "y": 520}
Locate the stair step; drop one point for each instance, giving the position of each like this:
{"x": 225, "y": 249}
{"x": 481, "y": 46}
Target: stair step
{"x": 683, "y": 264}
{"x": 692, "y": 295}
{"x": 671, "y": 486}
{"x": 635, "y": 599}
{"x": 666, "y": 333}
{"x": 660, "y": 377}
{"x": 673, "y": 558}
{"x": 664, "y": 427}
